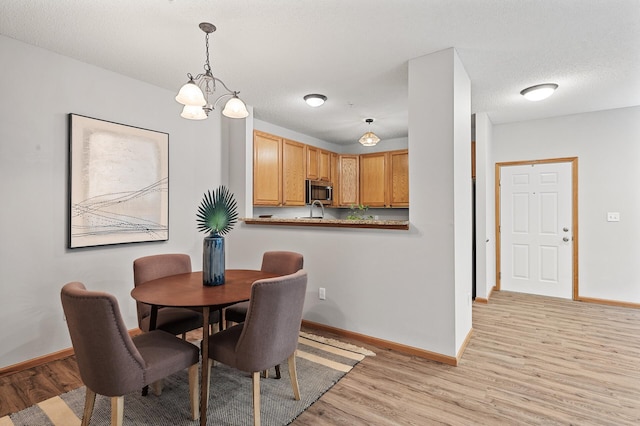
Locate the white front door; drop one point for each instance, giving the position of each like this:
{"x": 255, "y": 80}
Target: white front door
{"x": 536, "y": 243}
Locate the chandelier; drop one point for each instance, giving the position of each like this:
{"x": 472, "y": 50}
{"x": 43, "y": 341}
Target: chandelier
{"x": 198, "y": 95}
{"x": 369, "y": 138}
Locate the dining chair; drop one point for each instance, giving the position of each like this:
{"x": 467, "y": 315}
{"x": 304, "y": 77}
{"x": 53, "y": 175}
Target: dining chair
{"x": 277, "y": 262}
{"x": 268, "y": 335}
{"x": 173, "y": 320}
{"x": 112, "y": 363}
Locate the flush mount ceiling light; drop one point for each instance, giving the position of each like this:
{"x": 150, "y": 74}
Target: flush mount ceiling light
{"x": 539, "y": 92}
{"x": 369, "y": 138}
{"x": 199, "y": 95}
{"x": 315, "y": 99}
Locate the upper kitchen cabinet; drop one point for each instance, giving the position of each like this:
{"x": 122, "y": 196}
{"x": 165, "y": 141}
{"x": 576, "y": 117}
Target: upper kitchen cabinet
{"x": 384, "y": 179}
{"x": 318, "y": 163}
{"x": 349, "y": 170}
{"x": 374, "y": 177}
{"x": 278, "y": 171}
{"x": 399, "y": 178}
{"x": 293, "y": 172}
{"x": 267, "y": 169}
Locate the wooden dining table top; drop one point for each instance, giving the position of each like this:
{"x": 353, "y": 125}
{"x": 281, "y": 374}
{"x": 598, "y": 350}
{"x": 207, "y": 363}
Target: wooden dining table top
{"x": 187, "y": 290}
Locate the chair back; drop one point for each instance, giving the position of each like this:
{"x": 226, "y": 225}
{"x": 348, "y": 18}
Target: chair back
{"x": 282, "y": 262}
{"x": 108, "y": 361}
{"x": 272, "y": 326}
{"x": 157, "y": 266}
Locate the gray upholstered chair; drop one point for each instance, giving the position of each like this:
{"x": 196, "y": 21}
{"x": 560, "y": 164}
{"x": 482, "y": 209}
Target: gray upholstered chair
{"x": 268, "y": 335}
{"x": 277, "y": 262}
{"x": 111, "y": 363}
{"x": 173, "y": 320}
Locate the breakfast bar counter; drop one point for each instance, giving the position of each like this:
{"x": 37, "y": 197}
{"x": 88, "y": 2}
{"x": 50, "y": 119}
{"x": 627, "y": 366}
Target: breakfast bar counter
{"x": 332, "y": 223}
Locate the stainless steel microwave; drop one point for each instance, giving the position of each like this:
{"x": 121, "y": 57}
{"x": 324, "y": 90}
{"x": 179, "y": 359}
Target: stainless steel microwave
{"x": 319, "y": 190}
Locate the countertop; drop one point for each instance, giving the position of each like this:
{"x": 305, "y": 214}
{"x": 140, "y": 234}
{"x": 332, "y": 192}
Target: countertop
{"x": 332, "y": 223}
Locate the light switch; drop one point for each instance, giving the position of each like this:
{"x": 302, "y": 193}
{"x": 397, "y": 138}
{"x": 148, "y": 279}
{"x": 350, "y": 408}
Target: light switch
{"x": 613, "y": 217}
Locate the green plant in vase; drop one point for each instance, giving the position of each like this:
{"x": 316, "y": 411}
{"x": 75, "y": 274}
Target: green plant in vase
{"x": 217, "y": 215}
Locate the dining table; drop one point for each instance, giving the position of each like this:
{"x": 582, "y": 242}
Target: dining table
{"x": 188, "y": 291}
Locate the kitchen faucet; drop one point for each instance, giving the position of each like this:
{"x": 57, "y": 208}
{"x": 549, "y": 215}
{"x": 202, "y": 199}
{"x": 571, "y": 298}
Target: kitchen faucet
{"x": 311, "y": 208}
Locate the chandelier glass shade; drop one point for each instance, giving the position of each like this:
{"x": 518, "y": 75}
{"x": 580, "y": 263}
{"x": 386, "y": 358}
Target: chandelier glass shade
{"x": 199, "y": 95}
{"x": 369, "y": 138}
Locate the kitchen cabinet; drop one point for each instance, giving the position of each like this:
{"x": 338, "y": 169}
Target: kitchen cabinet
{"x": 324, "y": 165}
{"x": 348, "y": 188}
{"x": 267, "y": 169}
{"x": 334, "y": 175}
{"x": 373, "y": 179}
{"x": 293, "y": 172}
{"x": 312, "y": 161}
{"x": 318, "y": 163}
{"x": 278, "y": 171}
{"x": 399, "y": 178}
{"x": 384, "y": 179}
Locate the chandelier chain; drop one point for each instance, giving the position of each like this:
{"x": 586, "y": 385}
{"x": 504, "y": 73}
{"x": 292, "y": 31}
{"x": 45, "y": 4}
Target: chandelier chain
{"x": 207, "y": 66}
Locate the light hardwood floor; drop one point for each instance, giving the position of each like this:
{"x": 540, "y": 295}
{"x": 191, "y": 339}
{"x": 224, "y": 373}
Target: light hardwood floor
{"x": 532, "y": 360}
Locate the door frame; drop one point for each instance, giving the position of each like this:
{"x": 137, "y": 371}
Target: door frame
{"x": 574, "y": 213}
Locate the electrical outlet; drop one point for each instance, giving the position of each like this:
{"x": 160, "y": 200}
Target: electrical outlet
{"x": 613, "y": 217}
{"x": 322, "y": 293}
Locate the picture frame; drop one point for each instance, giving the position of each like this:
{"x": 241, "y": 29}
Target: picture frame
{"x": 118, "y": 183}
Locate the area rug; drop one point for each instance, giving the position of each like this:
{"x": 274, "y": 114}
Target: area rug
{"x": 320, "y": 364}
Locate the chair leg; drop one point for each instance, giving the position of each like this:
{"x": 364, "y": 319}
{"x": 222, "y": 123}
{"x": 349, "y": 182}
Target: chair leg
{"x": 156, "y": 387}
{"x": 278, "y": 376}
{"x": 194, "y": 392}
{"x": 294, "y": 376}
{"x": 89, "y": 401}
{"x": 210, "y": 364}
{"x": 256, "y": 398}
{"x": 117, "y": 410}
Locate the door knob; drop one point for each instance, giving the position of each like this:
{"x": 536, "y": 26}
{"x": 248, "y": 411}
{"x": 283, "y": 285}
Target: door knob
{"x": 565, "y": 229}
{"x": 565, "y": 239}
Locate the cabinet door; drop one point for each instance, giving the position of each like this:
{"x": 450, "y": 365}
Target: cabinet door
{"x": 312, "y": 162}
{"x": 267, "y": 166}
{"x": 399, "y": 178}
{"x": 335, "y": 177}
{"x": 349, "y": 180}
{"x": 373, "y": 180}
{"x": 324, "y": 165}
{"x": 293, "y": 173}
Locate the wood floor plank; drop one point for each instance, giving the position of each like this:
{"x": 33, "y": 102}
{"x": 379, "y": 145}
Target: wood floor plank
{"x": 531, "y": 360}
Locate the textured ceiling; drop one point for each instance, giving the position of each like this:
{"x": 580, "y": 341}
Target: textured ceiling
{"x": 355, "y": 52}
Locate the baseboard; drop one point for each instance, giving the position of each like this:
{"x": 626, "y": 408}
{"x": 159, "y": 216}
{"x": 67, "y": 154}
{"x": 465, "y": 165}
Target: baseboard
{"x": 55, "y": 356}
{"x": 463, "y": 347}
{"x": 409, "y": 350}
{"x": 608, "y": 302}
{"x": 481, "y": 300}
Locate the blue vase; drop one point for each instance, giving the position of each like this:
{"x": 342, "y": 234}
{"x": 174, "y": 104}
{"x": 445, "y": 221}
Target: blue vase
{"x": 213, "y": 260}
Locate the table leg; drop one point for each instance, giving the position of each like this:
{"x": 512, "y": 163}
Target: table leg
{"x": 203, "y": 366}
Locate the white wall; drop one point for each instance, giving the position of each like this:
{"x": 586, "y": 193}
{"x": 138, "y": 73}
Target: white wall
{"x": 39, "y": 89}
{"x": 607, "y": 144}
{"x": 485, "y": 207}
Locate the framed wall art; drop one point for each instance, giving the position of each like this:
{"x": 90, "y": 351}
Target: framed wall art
{"x": 118, "y": 183}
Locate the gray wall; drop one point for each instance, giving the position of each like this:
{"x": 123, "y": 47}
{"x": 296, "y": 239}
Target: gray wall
{"x": 607, "y": 144}
{"x": 39, "y": 89}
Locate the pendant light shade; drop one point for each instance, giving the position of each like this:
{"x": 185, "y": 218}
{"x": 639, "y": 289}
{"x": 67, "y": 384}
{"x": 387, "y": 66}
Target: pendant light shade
{"x": 199, "y": 95}
{"x": 369, "y": 138}
{"x": 235, "y": 108}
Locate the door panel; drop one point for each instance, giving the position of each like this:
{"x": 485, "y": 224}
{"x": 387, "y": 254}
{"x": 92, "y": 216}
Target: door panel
{"x": 536, "y": 216}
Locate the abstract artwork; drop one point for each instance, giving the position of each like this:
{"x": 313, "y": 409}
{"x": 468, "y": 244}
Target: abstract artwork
{"x": 118, "y": 183}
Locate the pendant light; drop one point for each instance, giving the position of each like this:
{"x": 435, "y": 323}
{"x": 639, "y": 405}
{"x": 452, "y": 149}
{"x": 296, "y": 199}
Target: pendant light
{"x": 198, "y": 95}
{"x": 369, "y": 138}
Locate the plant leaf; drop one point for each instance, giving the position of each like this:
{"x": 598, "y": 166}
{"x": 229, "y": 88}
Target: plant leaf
{"x": 218, "y": 211}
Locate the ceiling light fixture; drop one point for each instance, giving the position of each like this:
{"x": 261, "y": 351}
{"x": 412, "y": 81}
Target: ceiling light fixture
{"x": 369, "y": 138}
{"x": 539, "y": 92}
{"x": 197, "y": 95}
{"x": 315, "y": 99}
